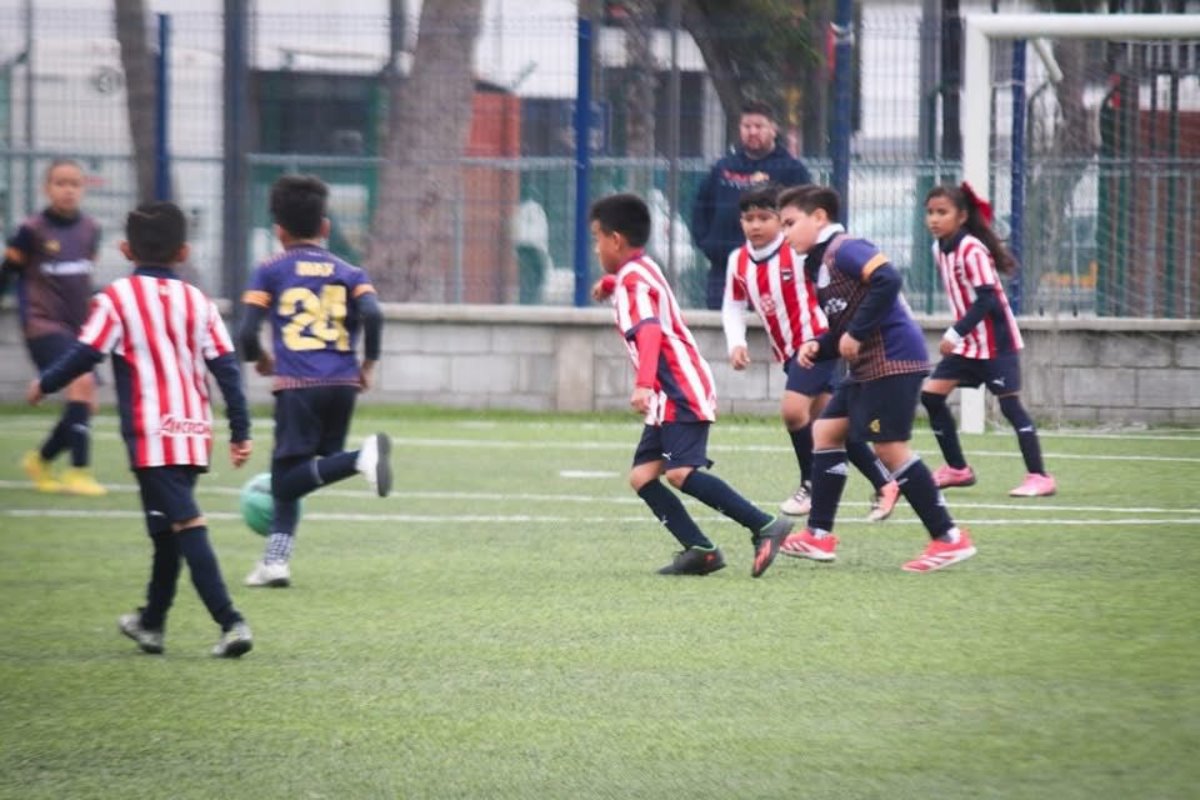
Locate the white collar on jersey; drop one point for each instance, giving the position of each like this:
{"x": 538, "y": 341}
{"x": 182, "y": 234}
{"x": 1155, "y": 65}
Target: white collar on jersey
{"x": 767, "y": 250}
{"x": 829, "y": 231}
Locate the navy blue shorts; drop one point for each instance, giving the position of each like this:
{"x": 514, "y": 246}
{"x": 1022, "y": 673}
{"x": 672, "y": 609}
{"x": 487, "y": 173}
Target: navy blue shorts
{"x": 1001, "y": 375}
{"x": 881, "y": 410}
{"x": 313, "y": 421}
{"x": 168, "y": 495}
{"x": 810, "y": 381}
{"x": 680, "y": 444}
{"x": 45, "y": 350}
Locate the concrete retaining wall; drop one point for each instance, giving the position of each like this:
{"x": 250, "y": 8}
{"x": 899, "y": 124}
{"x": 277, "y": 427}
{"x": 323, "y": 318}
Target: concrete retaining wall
{"x": 561, "y": 359}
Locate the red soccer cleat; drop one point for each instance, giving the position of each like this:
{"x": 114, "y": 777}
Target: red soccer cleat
{"x": 805, "y": 545}
{"x": 939, "y": 555}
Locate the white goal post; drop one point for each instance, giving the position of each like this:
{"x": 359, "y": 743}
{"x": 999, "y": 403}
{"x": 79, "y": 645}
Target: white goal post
{"x": 981, "y": 31}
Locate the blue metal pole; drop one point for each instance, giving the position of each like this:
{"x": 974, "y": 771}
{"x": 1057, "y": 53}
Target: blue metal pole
{"x": 162, "y": 111}
{"x": 843, "y": 31}
{"x": 1016, "y": 237}
{"x": 583, "y": 157}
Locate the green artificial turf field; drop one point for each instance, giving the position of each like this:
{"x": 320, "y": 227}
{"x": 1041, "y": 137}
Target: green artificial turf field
{"x": 495, "y": 629}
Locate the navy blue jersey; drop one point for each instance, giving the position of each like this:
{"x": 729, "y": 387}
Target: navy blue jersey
{"x": 310, "y": 296}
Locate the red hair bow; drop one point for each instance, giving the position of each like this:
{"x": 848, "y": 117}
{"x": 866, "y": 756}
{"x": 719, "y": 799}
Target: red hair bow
{"x": 982, "y": 206}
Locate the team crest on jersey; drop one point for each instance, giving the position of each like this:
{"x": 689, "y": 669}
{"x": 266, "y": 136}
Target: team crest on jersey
{"x": 834, "y": 306}
{"x": 786, "y": 275}
{"x": 823, "y": 277}
{"x": 768, "y": 305}
{"x": 52, "y": 246}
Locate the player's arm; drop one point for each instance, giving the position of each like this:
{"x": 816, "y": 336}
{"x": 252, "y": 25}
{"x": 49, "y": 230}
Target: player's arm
{"x": 987, "y": 300}
{"x": 79, "y": 360}
{"x": 733, "y": 318}
{"x": 16, "y": 256}
{"x": 372, "y": 321}
{"x": 883, "y": 284}
{"x": 222, "y": 362}
{"x": 101, "y": 333}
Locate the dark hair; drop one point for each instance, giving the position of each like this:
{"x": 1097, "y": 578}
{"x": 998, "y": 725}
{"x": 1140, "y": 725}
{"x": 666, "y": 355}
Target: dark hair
{"x": 298, "y": 204}
{"x": 155, "y": 232}
{"x": 625, "y": 214}
{"x": 764, "y": 197}
{"x": 760, "y": 107}
{"x": 810, "y": 197}
{"x": 976, "y": 225}
{"x": 61, "y": 162}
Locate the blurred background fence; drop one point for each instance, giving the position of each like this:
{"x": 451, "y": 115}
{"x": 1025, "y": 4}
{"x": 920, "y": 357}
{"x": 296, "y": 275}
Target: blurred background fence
{"x": 468, "y": 195}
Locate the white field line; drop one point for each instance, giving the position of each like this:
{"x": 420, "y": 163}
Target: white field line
{"x": 21, "y": 425}
{"x": 530, "y": 519}
{"x": 527, "y": 497}
{"x": 627, "y": 447}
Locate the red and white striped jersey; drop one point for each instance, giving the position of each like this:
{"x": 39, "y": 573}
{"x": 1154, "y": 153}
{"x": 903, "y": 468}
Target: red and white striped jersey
{"x": 683, "y": 385}
{"x": 774, "y": 284}
{"x": 162, "y": 331}
{"x": 967, "y": 266}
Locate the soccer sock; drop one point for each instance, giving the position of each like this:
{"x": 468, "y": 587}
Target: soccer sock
{"x": 78, "y": 434}
{"x": 829, "y": 479}
{"x": 720, "y": 496}
{"x": 292, "y": 480}
{"x": 669, "y": 510}
{"x": 206, "y": 576}
{"x": 862, "y": 456}
{"x": 942, "y": 423}
{"x": 1027, "y": 438}
{"x": 59, "y": 438}
{"x": 802, "y": 444}
{"x": 916, "y": 483}
{"x": 279, "y": 547}
{"x": 164, "y": 578}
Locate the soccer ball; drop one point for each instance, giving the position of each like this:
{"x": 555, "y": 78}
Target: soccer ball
{"x": 258, "y": 508}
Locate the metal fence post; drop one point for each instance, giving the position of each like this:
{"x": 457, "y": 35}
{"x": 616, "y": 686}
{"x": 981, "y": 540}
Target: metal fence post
{"x": 162, "y": 111}
{"x": 234, "y": 202}
{"x": 1016, "y": 241}
{"x": 843, "y": 31}
{"x": 583, "y": 166}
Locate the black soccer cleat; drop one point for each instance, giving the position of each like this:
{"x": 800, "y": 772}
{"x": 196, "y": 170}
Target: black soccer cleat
{"x": 694, "y": 561}
{"x": 766, "y": 544}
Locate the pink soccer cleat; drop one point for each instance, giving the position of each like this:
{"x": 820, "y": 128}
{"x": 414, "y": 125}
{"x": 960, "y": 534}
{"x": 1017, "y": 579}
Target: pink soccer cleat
{"x": 883, "y": 503}
{"x": 1035, "y": 485}
{"x": 805, "y": 545}
{"x": 939, "y": 555}
{"x": 947, "y": 477}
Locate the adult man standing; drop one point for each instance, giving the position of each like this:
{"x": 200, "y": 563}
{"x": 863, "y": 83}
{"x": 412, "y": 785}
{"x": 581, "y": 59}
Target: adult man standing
{"x": 760, "y": 159}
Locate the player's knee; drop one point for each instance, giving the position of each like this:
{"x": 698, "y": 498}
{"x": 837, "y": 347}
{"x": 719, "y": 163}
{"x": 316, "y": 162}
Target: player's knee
{"x": 933, "y": 402}
{"x": 677, "y": 477}
{"x": 194, "y": 522}
{"x": 639, "y": 476}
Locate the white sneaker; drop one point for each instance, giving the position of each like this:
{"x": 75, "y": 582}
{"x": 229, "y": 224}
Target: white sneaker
{"x": 275, "y": 573}
{"x": 798, "y": 504}
{"x": 375, "y": 462}
{"x": 235, "y": 642}
{"x": 131, "y": 626}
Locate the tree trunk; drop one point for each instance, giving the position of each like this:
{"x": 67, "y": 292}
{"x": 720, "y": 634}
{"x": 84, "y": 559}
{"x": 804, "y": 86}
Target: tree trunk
{"x": 136, "y": 61}
{"x": 411, "y": 251}
{"x": 717, "y": 62}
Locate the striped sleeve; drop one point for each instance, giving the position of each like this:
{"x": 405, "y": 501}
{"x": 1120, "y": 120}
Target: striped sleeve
{"x": 977, "y": 263}
{"x": 103, "y": 330}
{"x": 635, "y": 305}
{"x": 259, "y": 293}
{"x": 216, "y": 337}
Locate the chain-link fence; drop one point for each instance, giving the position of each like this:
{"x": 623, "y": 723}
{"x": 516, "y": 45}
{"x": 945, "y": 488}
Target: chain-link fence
{"x": 1111, "y": 198}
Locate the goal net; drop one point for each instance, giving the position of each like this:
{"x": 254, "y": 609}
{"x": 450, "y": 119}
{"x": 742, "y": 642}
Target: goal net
{"x": 1084, "y": 130}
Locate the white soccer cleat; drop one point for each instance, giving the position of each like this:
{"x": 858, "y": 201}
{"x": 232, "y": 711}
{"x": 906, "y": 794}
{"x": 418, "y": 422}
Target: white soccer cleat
{"x": 375, "y": 462}
{"x": 274, "y": 573}
{"x": 799, "y": 504}
{"x": 235, "y": 642}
